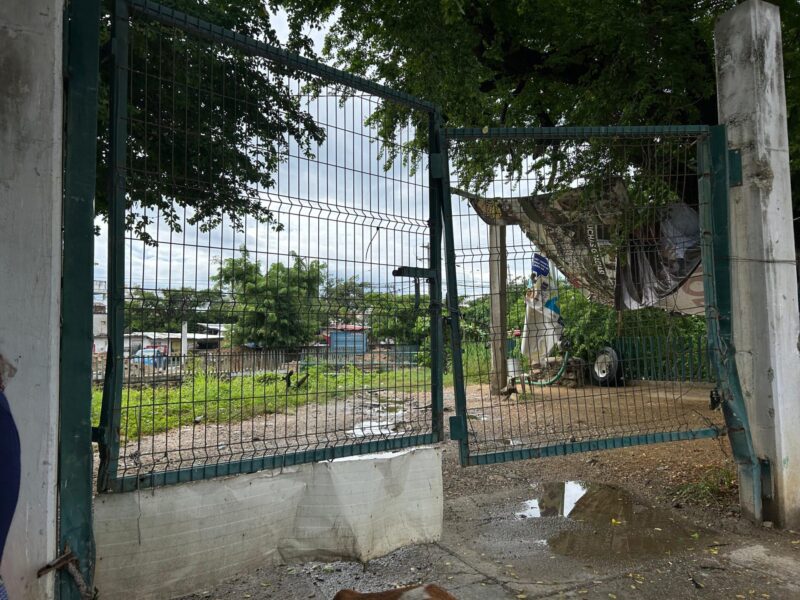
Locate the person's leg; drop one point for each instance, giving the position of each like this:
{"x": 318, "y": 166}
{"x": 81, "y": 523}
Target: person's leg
{"x": 9, "y": 475}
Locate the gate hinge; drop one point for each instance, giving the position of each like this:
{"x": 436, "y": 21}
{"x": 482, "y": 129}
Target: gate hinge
{"x": 734, "y": 168}
{"x": 458, "y": 428}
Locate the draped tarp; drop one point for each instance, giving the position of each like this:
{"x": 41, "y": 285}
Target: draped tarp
{"x": 619, "y": 254}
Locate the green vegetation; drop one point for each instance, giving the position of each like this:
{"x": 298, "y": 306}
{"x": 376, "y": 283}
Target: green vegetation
{"x": 277, "y": 308}
{"x": 209, "y": 187}
{"x": 150, "y": 410}
{"x": 717, "y": 485}
{"x": 284, "y": 306}
{"x": 513, "y": 63}
{"x": 166, "y": 310}
{"x": 589, "y": 325}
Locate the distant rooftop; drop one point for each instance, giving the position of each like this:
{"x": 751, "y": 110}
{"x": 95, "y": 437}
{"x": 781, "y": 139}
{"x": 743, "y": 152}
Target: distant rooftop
{"x": 347, "y": 327}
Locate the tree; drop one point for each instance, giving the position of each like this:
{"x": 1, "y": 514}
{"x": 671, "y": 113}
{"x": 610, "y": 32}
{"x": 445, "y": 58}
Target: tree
{"x": 543, "y": 63}
{"x": 279, "y": 308}
{"x": 389, "y": 315}
{"x": 345, "y": 299}
{"x": 208, "y": 125}
{"x": 166, "y": 310}
{"x": 395, "y": 316}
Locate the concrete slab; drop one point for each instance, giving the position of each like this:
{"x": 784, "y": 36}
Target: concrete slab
{"x": 488, "y": 550}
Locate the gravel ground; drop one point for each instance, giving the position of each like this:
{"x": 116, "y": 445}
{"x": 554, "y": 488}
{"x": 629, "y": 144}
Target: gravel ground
{"x": 665, "y": 544}
{"x": 643, "y": 522}
{"x": 539, "y": 416}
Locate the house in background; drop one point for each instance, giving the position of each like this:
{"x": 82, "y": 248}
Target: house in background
{"x": 348, "y": 338}
{"x": 214, "y": 328}
{"x": 169, "y": 342}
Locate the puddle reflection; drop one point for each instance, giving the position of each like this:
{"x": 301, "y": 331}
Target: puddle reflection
{"x": 613, "y": 521}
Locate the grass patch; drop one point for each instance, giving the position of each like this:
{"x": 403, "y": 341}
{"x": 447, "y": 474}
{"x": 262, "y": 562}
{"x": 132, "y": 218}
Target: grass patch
{"x": 147, "y": 410}
{"x": 203, "y": 398}
{"x": 476, "y": 361}
{"x": 717, "y": 485}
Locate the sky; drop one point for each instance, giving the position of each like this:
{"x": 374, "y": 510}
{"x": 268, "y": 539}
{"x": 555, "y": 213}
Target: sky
{"x": 348, "y": 208}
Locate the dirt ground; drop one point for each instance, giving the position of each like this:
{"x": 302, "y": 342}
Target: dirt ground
{"x": 535, "y": 417}
{"x": 648, "y": 522}
{"x": 665, "y": 525}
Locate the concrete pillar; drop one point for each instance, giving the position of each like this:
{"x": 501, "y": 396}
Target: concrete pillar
{"x": 498, "y": 273}
{"x": 766, "y": 323}
{"x": 30, "y": 272}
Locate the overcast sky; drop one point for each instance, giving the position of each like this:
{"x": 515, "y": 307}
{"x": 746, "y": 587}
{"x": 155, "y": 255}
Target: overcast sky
{"x": 345, "y": 209}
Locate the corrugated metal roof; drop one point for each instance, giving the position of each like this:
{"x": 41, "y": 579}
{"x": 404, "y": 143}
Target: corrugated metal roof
{"x": 348, "y": 327}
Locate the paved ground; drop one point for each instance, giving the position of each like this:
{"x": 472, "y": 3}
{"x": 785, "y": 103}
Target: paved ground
{"x": 646, "y": 522}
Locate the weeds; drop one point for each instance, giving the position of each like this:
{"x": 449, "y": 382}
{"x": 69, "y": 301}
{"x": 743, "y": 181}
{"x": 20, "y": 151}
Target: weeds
{"x": 203, "y": 398}
{"x": 718, "y": 485}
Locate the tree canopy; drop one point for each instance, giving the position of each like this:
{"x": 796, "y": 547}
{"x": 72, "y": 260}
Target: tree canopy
{"x": 165, "y": 310}
{"x": 275, "y": 307}
{"x": 208, "y": 125}
{"x": 226, "y": 118}
{"x": 544, "y": 63}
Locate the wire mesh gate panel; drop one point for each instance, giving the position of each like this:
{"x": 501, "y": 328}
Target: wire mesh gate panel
{"x": 578, "y": 266}
{"x": 273, "y": 289}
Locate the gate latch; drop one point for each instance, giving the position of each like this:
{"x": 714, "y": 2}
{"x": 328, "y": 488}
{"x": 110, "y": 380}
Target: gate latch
{"x": 414, "y": 272}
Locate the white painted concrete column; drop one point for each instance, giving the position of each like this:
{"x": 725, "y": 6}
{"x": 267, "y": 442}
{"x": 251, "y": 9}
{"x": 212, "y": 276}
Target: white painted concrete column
{"x": 766, "y": 326}
{"x": 30, "y": 272}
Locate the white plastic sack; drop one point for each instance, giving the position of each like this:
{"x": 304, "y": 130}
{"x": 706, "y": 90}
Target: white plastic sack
{"x": 542, "y": 330}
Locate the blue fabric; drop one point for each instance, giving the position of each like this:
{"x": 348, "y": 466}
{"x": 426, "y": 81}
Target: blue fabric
{"x": 540, "y": 265}
{"x": 9, "y": 469}
{"x": 552, "y": 304}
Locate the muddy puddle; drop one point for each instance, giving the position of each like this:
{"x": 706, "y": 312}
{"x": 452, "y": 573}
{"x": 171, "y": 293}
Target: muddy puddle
{"x": 606, "y": 521}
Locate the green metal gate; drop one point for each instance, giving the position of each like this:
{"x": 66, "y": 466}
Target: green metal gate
{"x": 617, "y": 364}
{"x": 273, "y": 253}
{"x": 395, "y": 197}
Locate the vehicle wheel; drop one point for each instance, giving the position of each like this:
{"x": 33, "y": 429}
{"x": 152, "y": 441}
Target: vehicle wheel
{"x": 607, "y": 367}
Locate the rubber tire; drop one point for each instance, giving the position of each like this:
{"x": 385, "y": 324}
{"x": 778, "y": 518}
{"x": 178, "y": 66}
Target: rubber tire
{"x": 606, "y": 370}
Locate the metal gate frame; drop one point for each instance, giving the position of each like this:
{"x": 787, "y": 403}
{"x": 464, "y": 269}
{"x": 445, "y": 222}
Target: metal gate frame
{"x": 715, "y": 165}
{"x": 107, "y": 434}
{"x": 74, "y": 521}
{"x": 718, "y": 167}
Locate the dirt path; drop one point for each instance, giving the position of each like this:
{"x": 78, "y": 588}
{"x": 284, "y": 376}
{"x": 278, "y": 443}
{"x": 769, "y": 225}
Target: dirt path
{"x": 541, "y": 416}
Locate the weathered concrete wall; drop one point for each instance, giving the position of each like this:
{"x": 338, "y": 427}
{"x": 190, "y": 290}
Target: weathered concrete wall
{"x": 174, "y": 540}
{"x": 30, "y": 267}
{"x": 751, "y": 96}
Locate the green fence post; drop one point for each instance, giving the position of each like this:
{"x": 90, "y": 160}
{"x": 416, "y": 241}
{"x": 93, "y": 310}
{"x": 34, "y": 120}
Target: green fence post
{"x": 82, "y": 32}
{"x": 714, "y": 185}
{"x": 112, "y": 387}
{"x": 436, "y": 180}
{"x": 458, "y": 423}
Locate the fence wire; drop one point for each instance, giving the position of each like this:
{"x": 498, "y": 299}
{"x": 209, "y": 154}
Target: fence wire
{"x": 581, "y": 289}
{"x": 266, "y": 210}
